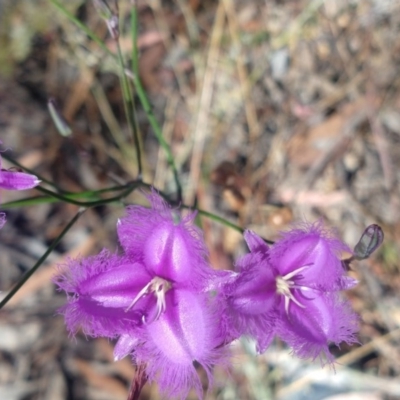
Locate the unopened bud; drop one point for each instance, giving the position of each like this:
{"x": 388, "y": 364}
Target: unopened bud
{"x": 109, "y": 17}
{"x": 370, "y": 240}
{"x": 59, "y": 121}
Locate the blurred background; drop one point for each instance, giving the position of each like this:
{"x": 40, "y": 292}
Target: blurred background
{"x": 276, "y": 111}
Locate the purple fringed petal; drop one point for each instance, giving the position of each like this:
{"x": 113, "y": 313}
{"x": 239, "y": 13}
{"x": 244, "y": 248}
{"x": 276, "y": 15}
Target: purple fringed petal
{"x": 116, "y": 287}
{"x": 316, "y": 249}
{"x": 251, "y": 301}
{"x": 167, "y": 254}
{"x": 325, "y": 319}
{"x": 181, "y": 333}
{"x": 171, "y": 248}
{"x": 11, "y": 180}
{"x": 185, "y": 333}
{"x": 96, "y": 320}
{"x": 254, "y": 290}
{"x": 100, "y": 289}
{"x": 134, "y": 229}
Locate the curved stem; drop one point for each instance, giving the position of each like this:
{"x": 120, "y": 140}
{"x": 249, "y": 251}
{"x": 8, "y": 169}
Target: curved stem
{"x": 29, "y": 273}
{"x": 64, "y": 197}
{"x": 129, "y": 108}
{"x": 223, "y": 221}
{"x": 82, "y": 26}
{"x": 35, "y": 200}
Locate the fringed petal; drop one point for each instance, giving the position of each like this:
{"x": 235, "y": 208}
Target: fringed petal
{"x": 170, "y": 247}
{"x": 186, "y": 333}
{"x": 324, "y": 319}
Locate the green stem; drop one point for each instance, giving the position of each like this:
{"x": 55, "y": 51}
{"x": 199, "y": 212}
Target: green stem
{"x": 68, "y": 199}
{"x": 158, "y": 132}
{"x": 35, "y": 200}
{"x": 139, "y": 90}
{"x": 29, "y": 273}
{"x": 223, "y": 221}
{"x": 129, "y": 109}
{"x": 81, "y": 25}
{"x": 134, "y": 32}
{"x": 217, "y": 218}
{"x": 30, "y": 201}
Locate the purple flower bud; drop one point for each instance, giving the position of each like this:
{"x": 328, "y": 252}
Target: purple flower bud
{"x": 13, "y": 180}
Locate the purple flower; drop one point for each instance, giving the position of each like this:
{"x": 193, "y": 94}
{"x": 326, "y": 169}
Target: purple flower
{"x": 13, "y": 180}
{"x": 291, "y": 290}
{"x": 154, "y": 297}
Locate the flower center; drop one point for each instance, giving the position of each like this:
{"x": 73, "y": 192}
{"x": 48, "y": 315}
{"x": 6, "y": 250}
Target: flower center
{"x": 158, "y": 287}
{"x": 286, "y": 284}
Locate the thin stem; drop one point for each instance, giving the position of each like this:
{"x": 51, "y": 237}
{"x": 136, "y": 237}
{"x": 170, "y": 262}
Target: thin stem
{"x": 222, "y": 221}
{"x": 134, "y": 33}
{"x": 158, "y": 132}
{"x": 35, "y": 200}
{"x": 129, "y": 109}
{"x": 30, "y": 201}
{"x": 82, "y": 26}
{"x": 94, "y": 203}
{"x": 146, "y": 103}
{"x": 140, "y": 92}
{"x": 219, "y": 219}
{"x": 29, "y": 273}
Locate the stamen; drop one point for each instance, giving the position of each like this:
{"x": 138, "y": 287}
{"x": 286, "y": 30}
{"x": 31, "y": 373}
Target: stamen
{"x": 159, "y": 287}
{"x": 294, "y": 273}
{"x": 285, "y": 285}
{"x": 143, "y": 292}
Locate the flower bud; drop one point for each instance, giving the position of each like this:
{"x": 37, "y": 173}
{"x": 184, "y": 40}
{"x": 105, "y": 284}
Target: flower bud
{"x": 370, "y": 240}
